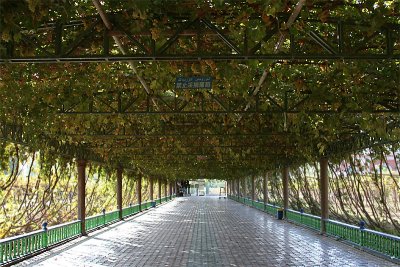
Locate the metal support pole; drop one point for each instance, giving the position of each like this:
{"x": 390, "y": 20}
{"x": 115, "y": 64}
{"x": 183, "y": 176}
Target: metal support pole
{"x": 324, "y": 190}
{"x": 238, "y": 187}
{"x": 159, "y": 189}
{"x": 81, "y": 165}
{"x": 285, "y": 177}
{"x": 139, "y": 192}
{"x": 151, "y": 189}
{"x": 245, "y": 188}
{"x": 165, "y": 188}
{"x": 253, "y": 191}
{"x": 119, "y": 192}
{"x": 265, "y": 189}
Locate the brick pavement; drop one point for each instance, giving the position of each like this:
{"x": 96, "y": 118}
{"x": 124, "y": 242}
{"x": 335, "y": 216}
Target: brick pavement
{"x": 205, "y": 231}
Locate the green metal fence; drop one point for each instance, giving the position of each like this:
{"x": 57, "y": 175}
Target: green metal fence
{"x": 17, "y": 247}
{"x": 131, "y": 210}
{"x": 381, "y": 242}
{"x": 388, "y": 245}
{"x": 259, "y": 205}
{"x": 164, "y": 199}
{"x": 111, "y": 216}
{"x": 59, "y": 233}
{"x": 305, "y": 219}
{"x": 345, "y": 231}
{"x": 146, "y": 205}
{"x": 94, "y": 222}
{"x": 271, "y": 209}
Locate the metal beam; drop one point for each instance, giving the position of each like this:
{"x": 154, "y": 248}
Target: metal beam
{"x": 137, "y": 47}
{"x": 261, "y": 57}
{"x": 237, "y": 112}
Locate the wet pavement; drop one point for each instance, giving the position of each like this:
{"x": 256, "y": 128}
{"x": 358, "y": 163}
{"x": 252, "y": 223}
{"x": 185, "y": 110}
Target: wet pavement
{"x": 205, "y": 231}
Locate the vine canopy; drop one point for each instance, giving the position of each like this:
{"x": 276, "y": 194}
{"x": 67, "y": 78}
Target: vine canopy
{"x": 291, "y": 82}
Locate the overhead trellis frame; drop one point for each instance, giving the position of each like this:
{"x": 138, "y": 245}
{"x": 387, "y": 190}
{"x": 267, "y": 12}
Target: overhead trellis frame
{"x": 140, "y": 47}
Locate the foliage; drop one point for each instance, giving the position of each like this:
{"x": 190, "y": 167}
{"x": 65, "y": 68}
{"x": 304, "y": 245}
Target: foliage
{"x": 364, "y": 186}
{"x": 303, "y": 110}
{"x": 35, "y": 189}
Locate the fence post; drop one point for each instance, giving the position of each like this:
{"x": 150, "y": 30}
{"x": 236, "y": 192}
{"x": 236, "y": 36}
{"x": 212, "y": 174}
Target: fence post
{"x": 44, "y": 236}
{"x": 1, "y": 253}
{"x": 104, "y": 216}
{"x": 362, "y": 233}
{"x": 301, "y": 215}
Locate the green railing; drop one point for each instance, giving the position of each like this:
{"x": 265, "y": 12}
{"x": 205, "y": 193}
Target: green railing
{"x": 18, "y": 247}
{"x": 14, "y": 248}
{"x": 345, "y": 231}
{"x": 164, "y": 199}
{"x": 146, "y": 205}
{"x": 259, "y": 205}
{"x": 271, "y": 209}
{"x": 59, "y": 233}
{"x": 94, "y": 222}
{"x": 233, "y": 197}
{"x": 305, "y": 219}
{"x": 111, "y": 216}
{"x": 386, "y": 244}
{"x": 158, "y": 201}
{"x": 381, "y": 242}
{"x": 131, "y": 210}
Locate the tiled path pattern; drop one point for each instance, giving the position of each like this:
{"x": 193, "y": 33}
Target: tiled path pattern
{"x": 205, "y": 231}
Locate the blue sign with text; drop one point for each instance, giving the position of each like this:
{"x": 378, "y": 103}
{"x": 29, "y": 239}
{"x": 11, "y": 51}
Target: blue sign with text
{"x": 193, "y": 82}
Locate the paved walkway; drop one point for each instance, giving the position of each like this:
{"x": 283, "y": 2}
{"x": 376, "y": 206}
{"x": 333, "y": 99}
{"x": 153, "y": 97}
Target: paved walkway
{"x": 205, "y": 231}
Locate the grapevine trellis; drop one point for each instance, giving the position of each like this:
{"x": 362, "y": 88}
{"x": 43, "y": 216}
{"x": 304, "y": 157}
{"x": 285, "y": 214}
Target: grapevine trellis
{"x": 292, "y": 82}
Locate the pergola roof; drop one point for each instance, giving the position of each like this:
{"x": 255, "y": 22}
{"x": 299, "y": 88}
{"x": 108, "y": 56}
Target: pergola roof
{"x": 291, "y": 82}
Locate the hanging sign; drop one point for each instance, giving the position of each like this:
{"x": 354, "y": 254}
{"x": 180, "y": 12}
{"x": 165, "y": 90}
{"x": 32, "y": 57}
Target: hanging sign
{"x": 203, "y": 82}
